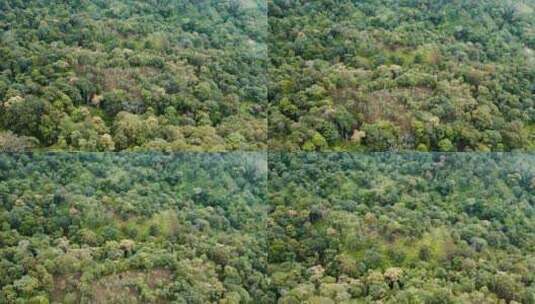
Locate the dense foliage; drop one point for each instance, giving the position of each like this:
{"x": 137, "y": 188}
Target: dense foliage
{"x": 133, "y": 228}
{"x": 381, "y": 75}
{"x": 106, "y": 75}
{"x": 402, "y": 228}
{"x": 221, "y": 228}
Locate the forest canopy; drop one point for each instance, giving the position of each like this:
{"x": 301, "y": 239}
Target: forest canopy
{"x": 226, "y": 228}
{"x": 106, "y": 106}
{"x": 382, "y": 75}
{"x": 205, "y": 75}
{"x": 402, "y": 228}
{"x": 133, "y": 228}
{"x": 130, "y": 74}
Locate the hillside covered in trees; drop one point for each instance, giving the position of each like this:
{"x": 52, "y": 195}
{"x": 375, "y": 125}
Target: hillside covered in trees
{"x": 410, "y": 228}
{"x": 133, "y": 228}
{"x": 113, "y": 75}
{"x": 224, "y": 228}
{"x": 381, "y": 75}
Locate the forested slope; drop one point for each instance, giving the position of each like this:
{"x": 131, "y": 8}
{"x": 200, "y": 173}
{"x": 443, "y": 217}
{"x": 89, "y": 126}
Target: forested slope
{"x": 380, "y": 75}
{"x": 409, "y": 228}
{"x": 127, "y": 74}
{"x": 216, "y": 228}
{"x": 133, "y": 228}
